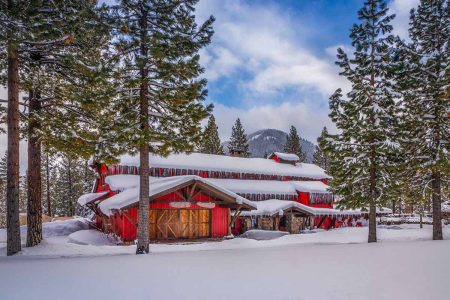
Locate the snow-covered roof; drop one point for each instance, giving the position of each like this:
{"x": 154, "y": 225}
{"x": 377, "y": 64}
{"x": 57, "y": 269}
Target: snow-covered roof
{"x": 211, "y": 162}
{"x": 274, "y": 206}
{"x": 90, "y": 197}
{"x": 286, "y": 156}
{"x": 311, "y": 186}
{"x": 129, "y": 185}
{"x": 257, "y": 186}
{"x": 272, "y": 186}
{"x": 121, "y": 182}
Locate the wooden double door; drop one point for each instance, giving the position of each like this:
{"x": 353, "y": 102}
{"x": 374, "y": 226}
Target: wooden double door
{"x": 172, "y": 224}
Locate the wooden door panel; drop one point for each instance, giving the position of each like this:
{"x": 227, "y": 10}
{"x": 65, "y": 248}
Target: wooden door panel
{"x": 168, "y": 224}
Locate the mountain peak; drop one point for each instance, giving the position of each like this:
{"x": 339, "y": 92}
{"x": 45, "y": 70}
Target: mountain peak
{"x": 266, "y": 141}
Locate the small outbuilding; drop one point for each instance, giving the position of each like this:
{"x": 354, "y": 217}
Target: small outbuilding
{"x": 181, "y": 207}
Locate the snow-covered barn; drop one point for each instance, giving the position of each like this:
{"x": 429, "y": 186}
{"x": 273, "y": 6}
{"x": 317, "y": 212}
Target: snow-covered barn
{"x": 207, "y": 196}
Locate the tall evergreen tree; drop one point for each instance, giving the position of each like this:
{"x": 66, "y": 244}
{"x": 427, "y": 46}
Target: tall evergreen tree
{"x": 3, "y": 167}
{"x": 361, "y": 152}
{"x": 320, "y": 157}
{"x": 10, "y": 35}
{"x": 48, "y": 181}
{"x": 238, "y": 141}
{"x": 424, "y": 82}
{"x": 293, "y": 144}
{"x": 160, "y": 102}
{"x": 57, "y": 42}
{"x": 210, "y": 143}
{"x": 71, "y": 179}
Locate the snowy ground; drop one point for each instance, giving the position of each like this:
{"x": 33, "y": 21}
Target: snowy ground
{"x": 335, "y": 264}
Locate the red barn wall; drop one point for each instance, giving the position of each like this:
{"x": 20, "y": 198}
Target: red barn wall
{"x": 128, "y": 232}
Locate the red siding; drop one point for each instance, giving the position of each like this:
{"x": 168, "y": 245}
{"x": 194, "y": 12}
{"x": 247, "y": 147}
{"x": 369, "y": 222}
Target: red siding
{"x": 128, "y": 232}
{"x": 219, "y": 222}
{"x": 303, "y": 198}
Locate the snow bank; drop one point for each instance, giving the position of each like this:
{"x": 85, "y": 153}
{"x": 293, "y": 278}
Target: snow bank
{"x": 263, "y": 235}
{"x": 211, "y": 162}
{"x": 93, "y": 237}
{"x": 63, "y": 228}
{"x": 54, "y": 229}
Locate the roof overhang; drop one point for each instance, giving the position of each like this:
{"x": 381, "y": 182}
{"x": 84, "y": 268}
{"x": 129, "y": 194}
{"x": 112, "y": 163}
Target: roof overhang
{"x": 163, "y": 186}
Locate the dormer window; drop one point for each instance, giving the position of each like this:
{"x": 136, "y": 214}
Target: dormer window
{"x": 284, "y": 158}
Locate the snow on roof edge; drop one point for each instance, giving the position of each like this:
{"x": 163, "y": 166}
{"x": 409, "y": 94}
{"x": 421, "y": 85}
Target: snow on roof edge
{"x": 222, "y": 163}
{"x": 130, "y": 193}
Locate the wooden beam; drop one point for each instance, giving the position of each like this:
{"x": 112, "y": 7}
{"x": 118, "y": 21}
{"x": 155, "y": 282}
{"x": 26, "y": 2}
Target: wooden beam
{"x": 195, "y": 195}
{"x": 181, "y": 195}
{"x": 236, "y": 215}
{"x": 191, "y": 193}
{"x": 321, "y": 221}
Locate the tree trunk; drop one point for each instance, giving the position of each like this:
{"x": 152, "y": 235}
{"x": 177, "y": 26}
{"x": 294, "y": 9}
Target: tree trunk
{"x": 143, "y": 219}
{"x": 12, "y": 185}
{"x": 34, "y": 211}
{"x": 47, "y": 186}
{"x": 372, "y": 222}
{"x": 421, "y": 219}
{"x": 69, "y": 178}
{"x": 436, "y": 198}
{"x": 372, "y": 205}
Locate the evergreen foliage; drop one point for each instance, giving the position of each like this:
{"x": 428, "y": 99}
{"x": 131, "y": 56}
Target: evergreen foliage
{"x": 238, "y": 141}
{"x": 159, "y": 104}
{"x": 423, "y": 79}
{"x": 361, "y": 154}
{"x": 210, "y": 143}
{"x": 59, "y": 46}
{"x": 320, "y": 157}
{"x": 73, "y": 179}
{"x": 293, "y": 144}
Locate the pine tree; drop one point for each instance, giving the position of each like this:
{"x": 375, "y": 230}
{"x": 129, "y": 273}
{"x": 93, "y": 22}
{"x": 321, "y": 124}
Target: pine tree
{"x": 238, "y": 142}
{"x": 9, "y": 41}
{"x": 361, "y": 153}
{"x": 320, "y": 157}
{"x": 210, "y": 143}
{"x": 48, "y": 181}
{"x": 293, "y": 144}
{"x": 160, "y": 102}
{"x": 58, "y": 46}
{"x": 72, "y": 178}
{"x": 424, "y": 80}
{"x": 3, "y": 167}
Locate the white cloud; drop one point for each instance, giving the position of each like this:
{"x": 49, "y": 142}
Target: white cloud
{"x": 309, "y": 122}
{"x": 267, "y": 45}
{"x": 401, "y": 9}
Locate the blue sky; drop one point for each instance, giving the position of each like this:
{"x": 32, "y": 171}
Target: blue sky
{"x": 271, "y": 63}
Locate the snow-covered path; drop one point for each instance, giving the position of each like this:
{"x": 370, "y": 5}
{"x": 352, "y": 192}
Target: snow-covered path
{"x": 394, "y": 270}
